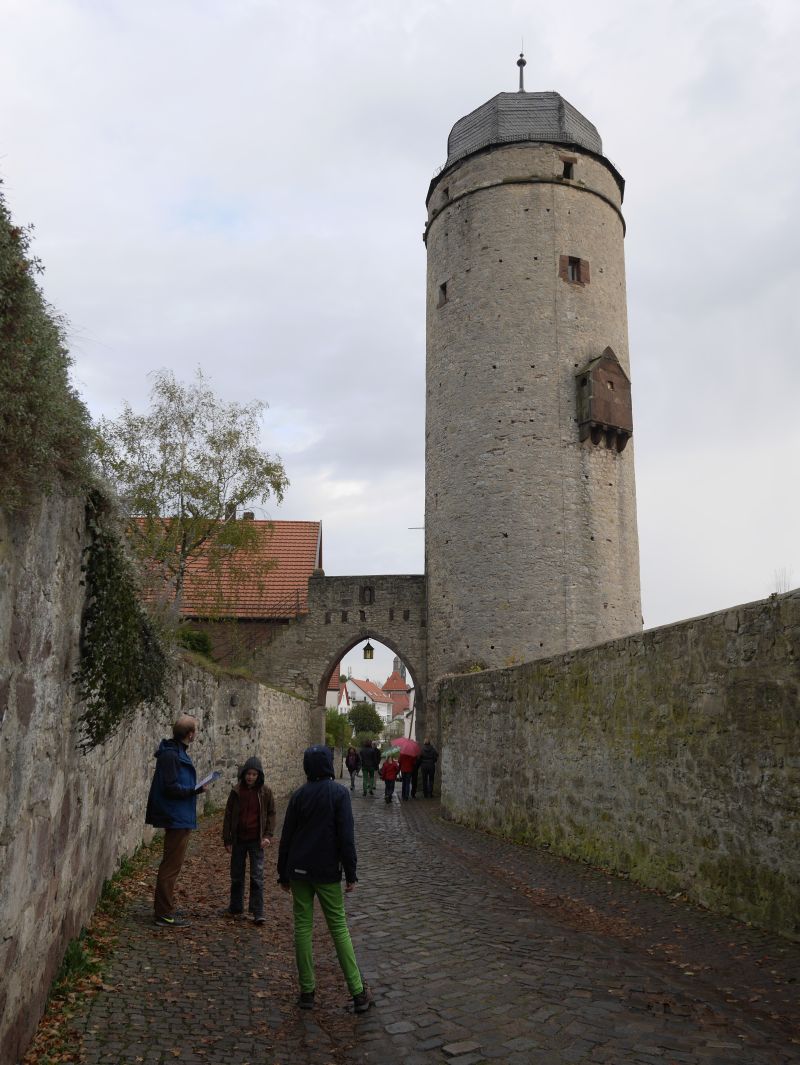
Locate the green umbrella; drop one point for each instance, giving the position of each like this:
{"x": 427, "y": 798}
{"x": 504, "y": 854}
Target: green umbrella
{"x": 393, "y": 751}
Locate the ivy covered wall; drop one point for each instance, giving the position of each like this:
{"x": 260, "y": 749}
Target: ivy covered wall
{"x": 67, "y": 817}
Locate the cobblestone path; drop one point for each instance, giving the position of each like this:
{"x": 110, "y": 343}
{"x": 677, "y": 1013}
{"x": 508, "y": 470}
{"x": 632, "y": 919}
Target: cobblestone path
{"x": 476, "y": 950}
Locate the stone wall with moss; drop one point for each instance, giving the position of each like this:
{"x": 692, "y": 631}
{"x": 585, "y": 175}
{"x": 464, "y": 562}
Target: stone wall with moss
{"x": 673, "y": 756}
{"x": 67, "y": 818}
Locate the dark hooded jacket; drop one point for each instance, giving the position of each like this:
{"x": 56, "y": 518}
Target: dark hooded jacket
{"x": 428, "y": 756}
{"x": 370, "y": 757}
{"x": 317, "y": 840}
{"x": 266, "y": 805}
{"x": 172, "y": 802}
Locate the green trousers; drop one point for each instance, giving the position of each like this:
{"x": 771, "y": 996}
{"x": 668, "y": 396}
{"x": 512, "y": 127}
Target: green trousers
{"x": 331, "y": 899}
{"x": 368, "y": 777}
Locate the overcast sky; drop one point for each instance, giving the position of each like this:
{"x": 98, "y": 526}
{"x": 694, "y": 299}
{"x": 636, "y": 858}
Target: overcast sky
{"x": 240, "y": 185}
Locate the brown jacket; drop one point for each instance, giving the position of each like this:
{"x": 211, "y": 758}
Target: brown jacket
{"x": 266, "y": 810}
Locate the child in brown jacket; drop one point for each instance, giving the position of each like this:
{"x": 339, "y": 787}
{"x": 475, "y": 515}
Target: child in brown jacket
{"x": 247, "y": 829}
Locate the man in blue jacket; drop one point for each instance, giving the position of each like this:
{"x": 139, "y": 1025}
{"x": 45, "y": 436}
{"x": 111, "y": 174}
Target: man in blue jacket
{"x": 172, "y": 805}
{"x": 317, "y": 843}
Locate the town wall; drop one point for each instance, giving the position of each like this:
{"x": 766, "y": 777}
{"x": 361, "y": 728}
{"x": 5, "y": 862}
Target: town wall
{"x": 66, "y": 818}
{"x": 672, "y": 756}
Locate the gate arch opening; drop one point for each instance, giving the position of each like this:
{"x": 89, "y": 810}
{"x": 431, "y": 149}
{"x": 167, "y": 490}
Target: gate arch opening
{"x": 390, "y": 681}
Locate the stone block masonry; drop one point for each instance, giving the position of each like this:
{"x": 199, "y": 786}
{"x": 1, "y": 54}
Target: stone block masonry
{"x": 343, "y": 611}
{"x": 672, "y": 755}
{"x": 66, "y": 819}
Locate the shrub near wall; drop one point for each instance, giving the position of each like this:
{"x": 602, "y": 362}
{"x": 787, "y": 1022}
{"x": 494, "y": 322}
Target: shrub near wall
{"x": 673, "y": 755}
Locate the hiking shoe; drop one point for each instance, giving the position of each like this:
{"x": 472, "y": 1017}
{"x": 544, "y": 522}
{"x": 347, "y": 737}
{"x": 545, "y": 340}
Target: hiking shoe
{"x": 170, "y": 922}
{"x": 305, "y": 1000}
{"x": 235, "y": 914}
{"x": 363, "y": 1000}
{"x": 259, "y": 920}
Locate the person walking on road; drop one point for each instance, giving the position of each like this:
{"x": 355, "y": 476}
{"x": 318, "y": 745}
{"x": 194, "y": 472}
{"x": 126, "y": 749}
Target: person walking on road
{"x": 248, "y": 827}
{"x": 407, "y": 766}
{"x": 317, "y": 844}
{"x": 428, "y": 758}
{"x": 172, "y": 805}
{"x": 389, "y": 771}
{"x": 353, "y": 763}
{"x": 370, "y": 760}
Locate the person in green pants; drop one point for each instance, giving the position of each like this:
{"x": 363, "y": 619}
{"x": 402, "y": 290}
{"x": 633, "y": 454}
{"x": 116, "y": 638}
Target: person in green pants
{"x": 317, "y": 844}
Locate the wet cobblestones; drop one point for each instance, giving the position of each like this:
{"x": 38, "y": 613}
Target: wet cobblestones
{"x": 476, "y": 951}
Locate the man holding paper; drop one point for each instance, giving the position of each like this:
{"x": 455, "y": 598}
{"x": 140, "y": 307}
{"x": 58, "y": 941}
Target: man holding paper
{"x": 172, "y": 805}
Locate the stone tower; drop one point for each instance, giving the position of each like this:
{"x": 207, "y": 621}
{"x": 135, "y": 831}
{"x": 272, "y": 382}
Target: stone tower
{"x": 530, "y": 509}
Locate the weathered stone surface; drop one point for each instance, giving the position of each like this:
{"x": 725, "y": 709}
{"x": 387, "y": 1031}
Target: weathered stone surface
{"x": 671, "y": 755}
{"x": 531, "y": 539}
{"x": 343, "y": 611}
{"x": 66, "y": 819}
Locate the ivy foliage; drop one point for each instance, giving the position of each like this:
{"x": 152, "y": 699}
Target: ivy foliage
{"x": 122, "y": 659}
{"x": 44, "y": 426}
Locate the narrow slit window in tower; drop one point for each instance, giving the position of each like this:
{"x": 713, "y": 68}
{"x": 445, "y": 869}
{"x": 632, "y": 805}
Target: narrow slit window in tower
{"x": 569, "y": 170}
{"x": 442, "y": 294}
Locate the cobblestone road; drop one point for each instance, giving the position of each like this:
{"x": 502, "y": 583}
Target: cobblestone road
{"x": 476, "y": 950}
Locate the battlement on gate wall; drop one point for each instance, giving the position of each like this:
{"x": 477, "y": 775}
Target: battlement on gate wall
{"x": 671, "y": 755}
{"x": 385, "y": 592}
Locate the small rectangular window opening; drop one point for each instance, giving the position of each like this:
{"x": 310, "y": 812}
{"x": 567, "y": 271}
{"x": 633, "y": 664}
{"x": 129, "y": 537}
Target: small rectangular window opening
{"x": 569, "y": 170}
{"x": 573, "y": 269}
{"x": 442, "y": 294}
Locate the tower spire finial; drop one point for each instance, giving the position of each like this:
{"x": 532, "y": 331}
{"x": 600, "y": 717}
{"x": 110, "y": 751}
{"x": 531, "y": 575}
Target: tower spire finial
{"x": 521, "y": 63}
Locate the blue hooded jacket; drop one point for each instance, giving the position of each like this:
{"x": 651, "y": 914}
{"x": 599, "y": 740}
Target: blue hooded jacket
{"x": 172, "y": 802}
{"x": 317, "y": 839}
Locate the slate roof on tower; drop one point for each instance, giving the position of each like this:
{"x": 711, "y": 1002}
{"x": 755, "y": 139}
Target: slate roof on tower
{"x": 521, "y": 116}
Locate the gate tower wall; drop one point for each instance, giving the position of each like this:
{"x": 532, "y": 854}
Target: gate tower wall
{"x": 531, "y": 539}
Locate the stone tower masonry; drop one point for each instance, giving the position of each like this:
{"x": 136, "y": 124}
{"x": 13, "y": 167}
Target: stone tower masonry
{"x": 530, "y": 510}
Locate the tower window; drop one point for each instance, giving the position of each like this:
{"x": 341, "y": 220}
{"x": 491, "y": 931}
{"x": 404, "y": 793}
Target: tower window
{"x": 442, "y": 294}
{"x": 573, "y": 269}
{"x": 569, "y": 170}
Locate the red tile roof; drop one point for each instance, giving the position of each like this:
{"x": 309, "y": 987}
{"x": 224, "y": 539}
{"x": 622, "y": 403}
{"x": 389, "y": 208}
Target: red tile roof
{"x": 334, "y": 683}
{"x": 373, "y": 692}
{"x": 395, "y": 683}
{"x": 285, "y": 556}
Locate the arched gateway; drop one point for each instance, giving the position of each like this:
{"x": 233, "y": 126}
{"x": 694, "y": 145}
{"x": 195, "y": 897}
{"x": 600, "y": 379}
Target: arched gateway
{"x": 343, "y": 611}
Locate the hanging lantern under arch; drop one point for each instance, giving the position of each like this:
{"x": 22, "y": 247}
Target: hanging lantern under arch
{"x": 369, "y": 651}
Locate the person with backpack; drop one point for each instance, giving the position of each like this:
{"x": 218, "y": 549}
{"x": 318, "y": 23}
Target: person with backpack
{"x": 428, "y": 758}
{"x": 353, "y": 763}
{"x": 370, "y": 760}
{"x": 317, "y": 846}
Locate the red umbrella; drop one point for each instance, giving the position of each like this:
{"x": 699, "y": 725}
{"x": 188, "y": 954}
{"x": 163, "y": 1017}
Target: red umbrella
{"x": 407, "y": 746}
